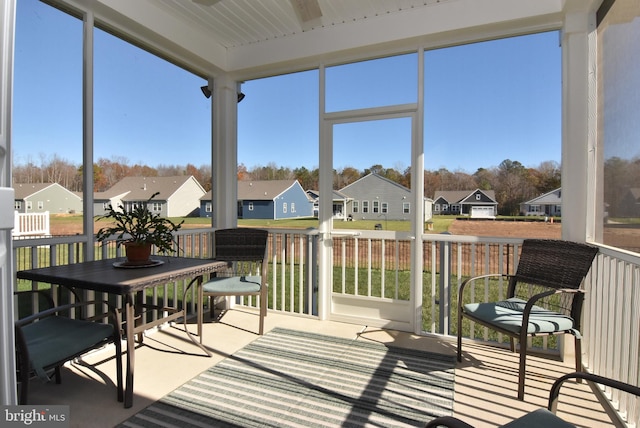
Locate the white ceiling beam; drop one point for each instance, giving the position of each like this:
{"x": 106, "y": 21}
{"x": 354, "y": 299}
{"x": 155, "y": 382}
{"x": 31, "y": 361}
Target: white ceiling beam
{"x": 413, "y": 25}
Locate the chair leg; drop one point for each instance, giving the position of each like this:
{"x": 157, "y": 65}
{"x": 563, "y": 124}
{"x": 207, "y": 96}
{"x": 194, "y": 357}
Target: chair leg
{"x": 459, "y": 334}
{"x": 578, "y": 351}
{"x": 24, "y": 388}
{"x": 263, "y": 311}
{"x": 522, "y": 368}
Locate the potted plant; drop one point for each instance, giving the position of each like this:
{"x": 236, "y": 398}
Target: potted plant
{"x": 138, "y": 230}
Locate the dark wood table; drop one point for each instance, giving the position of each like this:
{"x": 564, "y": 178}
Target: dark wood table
{"x": 104, "y": 276}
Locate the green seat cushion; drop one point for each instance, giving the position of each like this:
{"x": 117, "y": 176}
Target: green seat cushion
{"x": 507, "y": 314}
{"x": 56, "y": 339}
{"x": 234, "y": 284}
{"x": 539, "y": 418}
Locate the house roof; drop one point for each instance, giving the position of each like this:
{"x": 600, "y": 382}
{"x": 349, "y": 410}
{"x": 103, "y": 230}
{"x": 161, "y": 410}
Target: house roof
{"x": 635, "y": 192}
{"x": 24, "y": 190}
{"x": 258, "y": 190}
{"x": 458, "y": 196}
{"x": 263, "y": 190}
{"x": 374, "y": 176}
{"x": 337, "y": 195}
{"x": 553, "y": 197}
{"x": 141, "y": 188}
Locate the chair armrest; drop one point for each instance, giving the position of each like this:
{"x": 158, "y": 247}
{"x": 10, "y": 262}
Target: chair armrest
{"x": 111, "y": 312}
{"x": 555, "y": 388}
{"x": 42, "y": 293}
{"x": 533, "y": 299}
{"x": 472, "y": 279}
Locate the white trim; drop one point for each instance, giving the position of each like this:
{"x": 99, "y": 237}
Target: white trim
{"x": 8, "y": 395}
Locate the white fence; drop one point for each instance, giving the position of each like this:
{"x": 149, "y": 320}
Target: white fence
{"x": 31, "y": 224}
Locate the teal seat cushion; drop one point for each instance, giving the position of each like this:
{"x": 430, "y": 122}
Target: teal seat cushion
{"x": 56, "y": 339}
{"x": 539, "y": 418}
{"x": 507, "y": 314}
{"x": 234, "y": 284}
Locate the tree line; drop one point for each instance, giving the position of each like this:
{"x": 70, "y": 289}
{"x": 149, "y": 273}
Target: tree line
{"x": 512, "y": 182}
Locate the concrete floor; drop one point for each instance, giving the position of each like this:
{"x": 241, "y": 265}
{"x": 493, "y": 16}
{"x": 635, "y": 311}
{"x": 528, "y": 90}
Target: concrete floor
{"x": 485, "y": 382}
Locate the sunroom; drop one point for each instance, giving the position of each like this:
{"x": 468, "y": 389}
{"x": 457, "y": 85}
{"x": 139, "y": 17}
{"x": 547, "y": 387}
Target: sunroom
{"x": 230, "y": 46}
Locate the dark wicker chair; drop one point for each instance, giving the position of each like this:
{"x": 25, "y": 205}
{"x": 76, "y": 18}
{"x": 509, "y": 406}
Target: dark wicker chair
{"x": 245, "y": 250}
{"x": 544, "y": 294}
{"x": 543, "y": 417}
{"x": 51, "y": 337}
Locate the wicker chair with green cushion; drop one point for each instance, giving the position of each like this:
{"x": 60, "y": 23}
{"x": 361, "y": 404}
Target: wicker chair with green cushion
{"x": 544, "y": 417}
{"x": 544, "y": 295}
{"x": 53, "y": 336}
{"x": 245, "y": 250}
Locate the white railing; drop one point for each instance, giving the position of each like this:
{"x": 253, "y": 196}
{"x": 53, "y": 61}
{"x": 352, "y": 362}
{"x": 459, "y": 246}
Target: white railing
{"x": 448, "y": 261}
{"x": 611, "y": 315}
{"x": 31, "y": 224}
{"x": 611, "y": 327}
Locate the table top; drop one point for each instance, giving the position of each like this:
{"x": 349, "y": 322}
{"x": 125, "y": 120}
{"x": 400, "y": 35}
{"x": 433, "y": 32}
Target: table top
{"x": 104, "y": 276}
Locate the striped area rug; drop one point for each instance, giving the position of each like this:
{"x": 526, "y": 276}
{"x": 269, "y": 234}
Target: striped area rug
{"x": 290, "y": 378}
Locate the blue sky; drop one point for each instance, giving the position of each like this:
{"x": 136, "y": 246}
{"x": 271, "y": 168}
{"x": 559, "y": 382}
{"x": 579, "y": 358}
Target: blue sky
{"x": 484, "y": 103}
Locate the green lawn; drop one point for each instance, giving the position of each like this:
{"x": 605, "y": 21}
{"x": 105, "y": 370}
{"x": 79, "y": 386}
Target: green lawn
{"x": 440, "y": 224}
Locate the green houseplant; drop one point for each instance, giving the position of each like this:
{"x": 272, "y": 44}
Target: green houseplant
{"x": 138, "y": 230}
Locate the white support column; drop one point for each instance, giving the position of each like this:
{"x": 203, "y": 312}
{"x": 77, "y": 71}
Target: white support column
{"x": 8, "y": 394}
{"x": 417, "y": 186}
{"x": 578, "y": 142}
{"x": 325, "y": 212}
{"x": 225, "y": 151}
{"x": 87, "y": 135}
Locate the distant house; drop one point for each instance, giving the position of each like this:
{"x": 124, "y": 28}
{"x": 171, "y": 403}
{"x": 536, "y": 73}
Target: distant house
{"x": 549, "y": 204}
{"x": 629, "y": 205}
{"x": 340, "y": 202}
{"x": 43, "y": 197}
{"x": 206, "y": 205}
{"x": 267, "y": 199}
{"x": 474, "y": 203}
{"x": 374, "y": 197}
{"x": 179, "y": 195}
{"x": 273, "y": 199}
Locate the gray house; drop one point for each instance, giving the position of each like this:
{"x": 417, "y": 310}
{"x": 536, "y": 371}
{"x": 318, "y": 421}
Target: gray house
{"x": 474, "y": 203}
{"x": 374, "y": 197}
{"x": 179, "y": 195}
{"x": 43, "y": 197}
{"x": 267, "y": 199}
{"x": 548, "y": 204}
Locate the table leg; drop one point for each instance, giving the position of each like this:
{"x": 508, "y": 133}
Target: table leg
{"x": 131, "y": 348}
{"x": 139, "y": 313}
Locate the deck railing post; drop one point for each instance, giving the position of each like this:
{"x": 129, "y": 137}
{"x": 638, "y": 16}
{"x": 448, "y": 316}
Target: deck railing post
{"x": 445, "y": 288}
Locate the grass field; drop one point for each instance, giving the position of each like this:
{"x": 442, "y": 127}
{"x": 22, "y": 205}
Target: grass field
{"x": 72, "y": 224}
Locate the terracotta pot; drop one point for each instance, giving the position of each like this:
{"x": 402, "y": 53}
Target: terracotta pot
{"x": 137, "y": 253}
